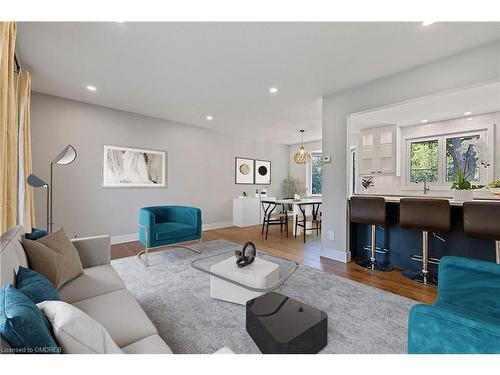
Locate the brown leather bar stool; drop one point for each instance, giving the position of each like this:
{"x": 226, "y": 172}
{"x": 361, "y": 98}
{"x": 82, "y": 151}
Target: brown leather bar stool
{"x": 482, "y": 220}
{"x": 371, "y": 211}
{"x": 426, "y": 215}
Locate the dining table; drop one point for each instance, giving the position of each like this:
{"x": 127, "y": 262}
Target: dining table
{"x": 294, "y": 203}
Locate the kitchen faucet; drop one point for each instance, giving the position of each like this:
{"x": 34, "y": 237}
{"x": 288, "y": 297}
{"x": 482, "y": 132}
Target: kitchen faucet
{"x": 424, "y": 180}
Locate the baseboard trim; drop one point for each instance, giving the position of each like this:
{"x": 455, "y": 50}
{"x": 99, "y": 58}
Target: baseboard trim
{"x": 219, "y": 225}
{"x": 338, "y": 255}
{"x": 123, "y": 238}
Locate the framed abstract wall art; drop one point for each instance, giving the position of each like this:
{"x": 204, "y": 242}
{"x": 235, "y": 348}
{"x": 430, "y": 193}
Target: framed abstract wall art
{"x": 244, "y": 171}
{"x": 133, "y": 167}
{"x": 262, "y": 172}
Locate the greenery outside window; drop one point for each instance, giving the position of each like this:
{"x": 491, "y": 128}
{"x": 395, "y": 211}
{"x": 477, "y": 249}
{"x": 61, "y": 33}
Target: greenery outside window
{"x": 316, "y": 171}
{"x": 424, "y": 163}
{"x": 436, "y": 159}
{"x": 461, "y": 154}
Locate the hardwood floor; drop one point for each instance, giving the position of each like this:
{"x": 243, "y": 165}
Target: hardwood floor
{"x": 307, "y": 254}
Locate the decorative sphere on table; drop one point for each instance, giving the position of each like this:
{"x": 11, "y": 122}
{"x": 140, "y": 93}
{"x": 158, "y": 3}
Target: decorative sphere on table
{"x": 246, "y": 255}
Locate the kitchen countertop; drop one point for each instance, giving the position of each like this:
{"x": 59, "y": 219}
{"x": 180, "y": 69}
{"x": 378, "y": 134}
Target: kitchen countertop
{"x": 397, "y": 198}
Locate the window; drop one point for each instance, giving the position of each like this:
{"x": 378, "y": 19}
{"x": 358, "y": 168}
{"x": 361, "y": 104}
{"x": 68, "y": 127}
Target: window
{"x": 460, "y": 154}
{"x": 316, "y": 170}
{"x": 424, "y": 161}
{"x": 436, "y": 160}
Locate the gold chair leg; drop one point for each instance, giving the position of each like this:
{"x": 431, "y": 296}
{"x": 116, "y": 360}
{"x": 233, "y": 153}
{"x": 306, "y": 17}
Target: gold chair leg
{"x": 145, "y": 262}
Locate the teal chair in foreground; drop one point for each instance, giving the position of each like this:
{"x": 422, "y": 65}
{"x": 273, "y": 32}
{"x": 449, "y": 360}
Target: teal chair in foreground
{"x": 465, "y": 319}
{"x": 168, "y": 225}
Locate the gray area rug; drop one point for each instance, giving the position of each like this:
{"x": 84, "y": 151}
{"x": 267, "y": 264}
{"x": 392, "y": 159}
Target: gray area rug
{"x": 176, "y": 297}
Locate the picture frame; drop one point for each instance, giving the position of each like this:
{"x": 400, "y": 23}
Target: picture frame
{"x": 262, "y": 172}
{"x": 244, "y": 171}
{"x": 132, "y": 167}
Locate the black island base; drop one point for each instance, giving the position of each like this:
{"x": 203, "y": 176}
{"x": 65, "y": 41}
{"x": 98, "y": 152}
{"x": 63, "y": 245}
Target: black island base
{"x": 281, "y": 325}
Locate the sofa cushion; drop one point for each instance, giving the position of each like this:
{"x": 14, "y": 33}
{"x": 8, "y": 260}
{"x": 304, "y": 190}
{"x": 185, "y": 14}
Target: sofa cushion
{"x": 35, "y": 286}
{"x": 55, "y": 257}
{"x": 23, "y": 325}
{"x": 149, "y": 345}
{"x": 12, "y": 254}
{"x": 120, "y": 314}
{"x": 94, "y": 281}
{"x": 75, "y": 331}
{"x": 165, "y": 231}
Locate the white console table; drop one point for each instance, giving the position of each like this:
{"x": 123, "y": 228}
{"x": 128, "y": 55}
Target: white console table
{"x": 248, "y": 211}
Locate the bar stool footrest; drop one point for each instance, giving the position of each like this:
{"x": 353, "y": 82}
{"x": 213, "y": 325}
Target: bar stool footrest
{"x": 418, "y": 258}
{"x": 377, "y": 249}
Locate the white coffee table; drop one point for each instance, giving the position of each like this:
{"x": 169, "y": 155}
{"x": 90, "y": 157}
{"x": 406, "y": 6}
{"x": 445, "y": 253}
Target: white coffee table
{"x": 238, "y": 285}
{"x": 260, "y": 274}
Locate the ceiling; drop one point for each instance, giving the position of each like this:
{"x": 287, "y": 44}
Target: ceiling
{"x": 476, "y": 100}
{"x": 186, "y": 71}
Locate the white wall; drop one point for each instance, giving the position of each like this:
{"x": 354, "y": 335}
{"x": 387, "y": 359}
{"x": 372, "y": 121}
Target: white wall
{"x": 200, "y": 169}
{"x": 472, "y": 67}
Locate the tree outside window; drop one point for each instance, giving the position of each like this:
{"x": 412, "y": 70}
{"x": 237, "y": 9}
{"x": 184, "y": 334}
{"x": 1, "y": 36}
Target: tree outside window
{"x": 316, "y": 170}
{"x": 424, "y": 161}
{"x": 462, "y": 155}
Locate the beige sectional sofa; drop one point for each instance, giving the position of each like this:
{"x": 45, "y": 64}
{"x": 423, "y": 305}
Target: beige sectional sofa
{"x": 99, "y": 292}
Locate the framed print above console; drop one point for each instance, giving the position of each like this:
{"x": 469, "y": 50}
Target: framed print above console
{"x": 244, "y": 171}
{"x": 262, "y": 172}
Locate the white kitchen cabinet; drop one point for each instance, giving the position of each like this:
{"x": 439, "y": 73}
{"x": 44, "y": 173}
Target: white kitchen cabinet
{"x": 377, "y": 151}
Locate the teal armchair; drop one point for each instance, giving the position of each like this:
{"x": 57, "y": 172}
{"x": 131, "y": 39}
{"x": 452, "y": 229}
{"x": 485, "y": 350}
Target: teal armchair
{"x": 168, "y": 225}
{"x": 465, "y": 319}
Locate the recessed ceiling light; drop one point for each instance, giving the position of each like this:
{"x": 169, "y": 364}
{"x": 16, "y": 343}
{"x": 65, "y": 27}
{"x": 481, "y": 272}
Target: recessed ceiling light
{"x": 91, "y": 88}
{"x": 470, "y": 118}
{"x": 427, "y": 23}
{"x": 424, "y": 121}
{"x": 273, "y": 90}
{"x": 209, "y": 118}
{"x": 468, "y": 113}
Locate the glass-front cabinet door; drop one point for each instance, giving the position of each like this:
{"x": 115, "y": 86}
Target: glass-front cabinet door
{"x": 377, "y": 148}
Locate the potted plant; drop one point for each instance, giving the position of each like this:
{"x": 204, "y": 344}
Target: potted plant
{"x": 494, "y": 187}
{"x": 462, "y": 189}
{"x": 289, "y": 187}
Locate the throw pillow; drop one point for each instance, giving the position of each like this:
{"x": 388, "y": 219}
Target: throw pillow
{"x": 36, "y": 286}
{"x": 23, "y": 325}
{"x": 76, "y": 332}
{"x": 55, "y": 257}
{"x": 36, "y": 234}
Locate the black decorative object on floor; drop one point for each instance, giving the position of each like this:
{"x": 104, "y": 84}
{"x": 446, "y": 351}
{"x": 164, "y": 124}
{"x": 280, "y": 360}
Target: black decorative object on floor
{"x": 281, "y": 325}
{"x": 245, "y": 256}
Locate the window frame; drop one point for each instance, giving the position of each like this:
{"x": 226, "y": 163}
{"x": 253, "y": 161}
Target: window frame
{"x": 309, "y": 174}
{"x": 485, "y": 134}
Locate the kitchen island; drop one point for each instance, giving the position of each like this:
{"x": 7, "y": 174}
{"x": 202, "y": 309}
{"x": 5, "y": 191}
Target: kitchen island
{"x": 405, "y": 243}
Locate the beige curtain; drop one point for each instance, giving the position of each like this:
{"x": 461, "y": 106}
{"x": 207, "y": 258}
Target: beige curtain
{"x": 8, "y": 128}
{"x": 26, "y": 210}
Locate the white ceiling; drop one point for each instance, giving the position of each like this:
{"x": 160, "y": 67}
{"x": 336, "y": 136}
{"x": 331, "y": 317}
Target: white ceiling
{"x": 479, "y": 99}
{"x": 186, "y": 71}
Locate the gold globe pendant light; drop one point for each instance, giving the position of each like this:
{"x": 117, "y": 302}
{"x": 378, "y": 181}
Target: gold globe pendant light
{"x": 302, "y": 156}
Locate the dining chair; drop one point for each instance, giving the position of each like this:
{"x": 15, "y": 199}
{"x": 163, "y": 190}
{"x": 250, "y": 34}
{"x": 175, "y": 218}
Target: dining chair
{"x": 272, "y": 217}
{"x": 287, "y": 208}
{"x": 314, "y": 218}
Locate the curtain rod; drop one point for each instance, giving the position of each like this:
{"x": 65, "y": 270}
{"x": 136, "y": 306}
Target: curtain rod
{"x": 17, "y": 67}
